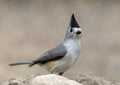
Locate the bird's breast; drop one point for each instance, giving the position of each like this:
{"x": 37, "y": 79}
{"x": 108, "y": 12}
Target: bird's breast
{"x": 61, "y": 65}
{"x": 73, "y": 49}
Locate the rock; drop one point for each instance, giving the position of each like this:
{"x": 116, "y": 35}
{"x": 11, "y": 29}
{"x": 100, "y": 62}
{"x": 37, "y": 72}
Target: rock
{"x": 92, "y": 80}
{"x": 49, "y": 79}
{"x": 18, "y": 81}
{"x": 52, "y": 79}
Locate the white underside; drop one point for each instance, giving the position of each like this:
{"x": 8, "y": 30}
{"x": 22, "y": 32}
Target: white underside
{"x": 73, "y": 52}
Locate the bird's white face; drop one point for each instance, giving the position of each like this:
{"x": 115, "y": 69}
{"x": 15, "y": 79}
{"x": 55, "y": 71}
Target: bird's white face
{"x": 75, "y": 32}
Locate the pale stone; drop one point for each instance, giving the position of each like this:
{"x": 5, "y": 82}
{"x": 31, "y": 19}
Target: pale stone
{"x": 52, "y": 79}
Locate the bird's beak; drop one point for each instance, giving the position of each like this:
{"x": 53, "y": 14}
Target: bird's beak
{"x": 78, "y": 30}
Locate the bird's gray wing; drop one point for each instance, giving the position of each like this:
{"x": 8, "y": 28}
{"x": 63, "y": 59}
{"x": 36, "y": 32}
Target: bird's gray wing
{"x": 51, "y": 55}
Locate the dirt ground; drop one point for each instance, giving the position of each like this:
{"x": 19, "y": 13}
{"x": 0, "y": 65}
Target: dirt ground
{"x": 30, "y": 27}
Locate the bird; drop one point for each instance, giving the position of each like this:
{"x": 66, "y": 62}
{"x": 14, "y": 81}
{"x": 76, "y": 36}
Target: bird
{"x": 62, "y": 57}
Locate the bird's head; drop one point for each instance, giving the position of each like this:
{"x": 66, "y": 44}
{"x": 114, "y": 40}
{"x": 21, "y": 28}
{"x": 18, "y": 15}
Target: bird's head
{"x": 74, "y": 30}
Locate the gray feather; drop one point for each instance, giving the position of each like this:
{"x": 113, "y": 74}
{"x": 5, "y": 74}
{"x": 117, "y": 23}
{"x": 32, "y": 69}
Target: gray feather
{"x": 20, "y": 63}
{"x": 51, "y": 55}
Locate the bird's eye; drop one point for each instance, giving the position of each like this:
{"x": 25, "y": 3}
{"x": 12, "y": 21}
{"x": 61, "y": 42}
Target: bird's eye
{"x": 71, "y": 30}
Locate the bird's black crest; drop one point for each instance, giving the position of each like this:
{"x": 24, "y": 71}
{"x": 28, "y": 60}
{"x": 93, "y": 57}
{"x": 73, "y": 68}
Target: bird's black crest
{"x": 73, "y": 22}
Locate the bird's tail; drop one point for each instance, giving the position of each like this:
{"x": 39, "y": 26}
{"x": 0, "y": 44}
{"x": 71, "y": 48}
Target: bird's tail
{"x": 20, "y": 63}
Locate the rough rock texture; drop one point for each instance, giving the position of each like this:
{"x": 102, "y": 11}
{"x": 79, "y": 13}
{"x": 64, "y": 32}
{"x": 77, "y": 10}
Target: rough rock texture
{"x": 52, "y": 79}
{"x": 18, "y": 81}
{"x": 92, "y": 80}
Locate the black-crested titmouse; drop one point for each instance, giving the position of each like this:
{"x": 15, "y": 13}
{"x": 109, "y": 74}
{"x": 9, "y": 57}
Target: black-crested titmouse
{"x": 63, "y": 56}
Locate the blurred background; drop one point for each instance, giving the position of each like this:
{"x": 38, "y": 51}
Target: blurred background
{"x": 30, "y": 27}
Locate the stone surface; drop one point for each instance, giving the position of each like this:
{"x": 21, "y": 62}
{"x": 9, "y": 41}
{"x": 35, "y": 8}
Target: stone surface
{"x": 52, "y": 79}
